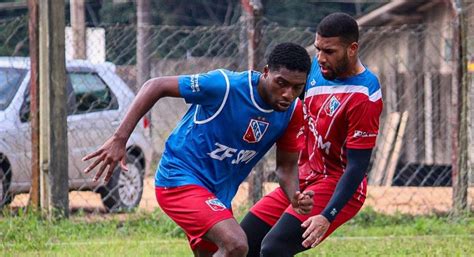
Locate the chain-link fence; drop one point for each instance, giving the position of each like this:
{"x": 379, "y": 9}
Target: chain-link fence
{"x": 411, "y": 169}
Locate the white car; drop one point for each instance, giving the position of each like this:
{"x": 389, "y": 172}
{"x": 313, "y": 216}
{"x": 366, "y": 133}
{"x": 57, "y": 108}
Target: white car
{"x": 97, "y": 101}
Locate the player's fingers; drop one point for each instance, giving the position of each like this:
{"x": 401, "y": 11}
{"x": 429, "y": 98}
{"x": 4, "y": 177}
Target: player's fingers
{"x": 101, "y": 170}
{"x": 123, "y": 164}
{"x": 309, "y": 240}
{"x": 306, "y": 201}
{"x": 316, "y": 242}
{"x": 110, "y": 171}
{"x": 309, "y": 230}
{"x": 305, "y": 205}
{"x": 309, "y": 193}
{"x": 306, "y": 209}
{"x": 94, "y": 164}
{"x": 306, "y": 223}
{"x": 92, "y": 155}
{"x": 297, "y": 195}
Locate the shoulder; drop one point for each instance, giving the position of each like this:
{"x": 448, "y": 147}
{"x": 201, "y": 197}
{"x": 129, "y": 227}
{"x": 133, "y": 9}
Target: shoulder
{"x": 371, "y": 81}
{"x": 368, "y": 84}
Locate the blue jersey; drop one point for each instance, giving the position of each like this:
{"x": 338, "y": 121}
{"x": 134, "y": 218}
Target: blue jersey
{"x": 226, "y": 131}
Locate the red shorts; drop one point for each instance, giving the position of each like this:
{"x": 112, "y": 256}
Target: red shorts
{"x": 272, "y": 206}
{"x": 195, "y": 210}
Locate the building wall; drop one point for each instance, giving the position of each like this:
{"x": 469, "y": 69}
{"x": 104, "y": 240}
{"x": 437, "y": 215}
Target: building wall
{"x": 415, "y": 69}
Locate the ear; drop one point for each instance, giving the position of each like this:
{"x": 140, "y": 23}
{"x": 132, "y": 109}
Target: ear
{"x": 352, "y": 49}
{"x": 265, "y": 71}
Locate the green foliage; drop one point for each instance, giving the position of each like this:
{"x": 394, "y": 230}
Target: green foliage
{"x": 30, "y": 231}
{"x": 369, "y": 222}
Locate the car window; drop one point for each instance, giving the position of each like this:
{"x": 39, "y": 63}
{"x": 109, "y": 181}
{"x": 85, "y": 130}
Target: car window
{"x": 91, "y": 93}
{"x": 26, "y": 105}
{"x": 10, "y": 80}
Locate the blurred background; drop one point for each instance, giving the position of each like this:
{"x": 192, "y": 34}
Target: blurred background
{"x": 422, "y": 52}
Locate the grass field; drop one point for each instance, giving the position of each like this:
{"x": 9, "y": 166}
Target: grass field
{"x": 153, "y": 234}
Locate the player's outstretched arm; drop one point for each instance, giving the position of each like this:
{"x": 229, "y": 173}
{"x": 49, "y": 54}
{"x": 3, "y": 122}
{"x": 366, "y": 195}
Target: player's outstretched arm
{"x": 113, "y": 150}
{"x": 287, "y": 172}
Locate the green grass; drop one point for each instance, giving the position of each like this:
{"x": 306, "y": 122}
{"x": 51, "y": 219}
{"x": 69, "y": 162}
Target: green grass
{"x": 154, "y": 234}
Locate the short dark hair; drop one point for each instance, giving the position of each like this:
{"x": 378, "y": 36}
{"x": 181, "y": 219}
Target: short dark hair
{"x": 341, "y": 25}
{"x": 290, "y": 56}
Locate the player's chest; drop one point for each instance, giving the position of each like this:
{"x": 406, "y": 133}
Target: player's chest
{"x": 327, "y": 106}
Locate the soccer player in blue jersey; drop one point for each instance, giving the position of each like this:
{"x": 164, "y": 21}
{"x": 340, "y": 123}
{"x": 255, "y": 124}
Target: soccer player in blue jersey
{"x": 343, "y": 103}
{"x": 234, "y": 119}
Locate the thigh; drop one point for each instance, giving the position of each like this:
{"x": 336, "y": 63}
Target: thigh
{"x": 195, "y": 210}
{"x": 225, "y": 232}
{"x": 271, "y": 207}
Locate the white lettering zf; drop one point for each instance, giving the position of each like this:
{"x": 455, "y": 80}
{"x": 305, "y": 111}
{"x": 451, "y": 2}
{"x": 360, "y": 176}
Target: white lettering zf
{"x": 222, "y": 152}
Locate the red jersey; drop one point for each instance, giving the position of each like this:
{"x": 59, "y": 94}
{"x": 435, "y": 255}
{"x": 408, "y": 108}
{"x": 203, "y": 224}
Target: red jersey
{"x": 339, "y": 114}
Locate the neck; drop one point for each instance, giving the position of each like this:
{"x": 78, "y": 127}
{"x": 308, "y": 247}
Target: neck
{"x": 356, "y": 68}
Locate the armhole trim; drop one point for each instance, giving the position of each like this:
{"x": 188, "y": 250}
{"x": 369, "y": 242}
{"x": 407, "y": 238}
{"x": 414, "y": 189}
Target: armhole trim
{"x": 220, "y": 107}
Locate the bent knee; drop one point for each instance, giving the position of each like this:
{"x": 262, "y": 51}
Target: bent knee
{"x": 239, "y": 248}
{"x": 235, "y": 248}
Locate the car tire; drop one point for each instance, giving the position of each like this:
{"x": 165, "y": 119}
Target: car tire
{"x": 124, "y": 190}
{"x": 5, "y": 196}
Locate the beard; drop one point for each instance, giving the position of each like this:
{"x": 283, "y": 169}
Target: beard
{"x": 342, "y": 67}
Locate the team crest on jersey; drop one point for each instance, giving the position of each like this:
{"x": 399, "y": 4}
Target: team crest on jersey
{"x": 255, "y": 131}
{"x": 215, "y": 204}
{"x": 332, "y": 106}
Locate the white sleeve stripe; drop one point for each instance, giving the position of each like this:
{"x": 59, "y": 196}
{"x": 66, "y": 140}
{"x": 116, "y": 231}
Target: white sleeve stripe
{"x": 220, "y": 107}
{"x": 253, "y": 99}
{"x": 322, "y": 90}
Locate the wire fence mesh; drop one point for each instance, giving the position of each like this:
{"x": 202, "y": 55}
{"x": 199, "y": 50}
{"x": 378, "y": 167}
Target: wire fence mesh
{"x": 411, "y": 169}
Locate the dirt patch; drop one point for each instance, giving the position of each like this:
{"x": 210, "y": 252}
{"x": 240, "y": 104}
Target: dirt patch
{"x": 413, "y": 200}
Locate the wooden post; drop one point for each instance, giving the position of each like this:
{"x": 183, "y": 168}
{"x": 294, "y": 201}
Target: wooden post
{"x": 143, "y": 42}
{"x": 460, "y": 120}
{"x": 143, "y": 50}
{"x": 253, "y": 10}
{"x": 53, "y": 123}
{"x": 78, "y": 26}
{"x": 34, "y": 201}
{"x": 428, "y": 117}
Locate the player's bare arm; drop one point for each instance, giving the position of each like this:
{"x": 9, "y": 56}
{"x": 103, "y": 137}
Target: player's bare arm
{"x": 287, "y": 172}
{"x": 113, "y": 150}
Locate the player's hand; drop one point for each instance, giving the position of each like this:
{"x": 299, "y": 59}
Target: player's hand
{"x": 302, "y": 203}
{"x": 316, "y": 227}
{"x": 108, "y": 155}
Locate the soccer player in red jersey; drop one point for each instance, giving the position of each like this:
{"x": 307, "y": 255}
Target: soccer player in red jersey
{"x": 342, "y": 104}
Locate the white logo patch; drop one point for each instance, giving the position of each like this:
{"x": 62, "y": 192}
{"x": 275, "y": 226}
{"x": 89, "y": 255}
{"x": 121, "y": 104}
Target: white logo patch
{"x": 215, "y": 204}
{"x": 359, "y": 133}
{"x": 195, "y": 83}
